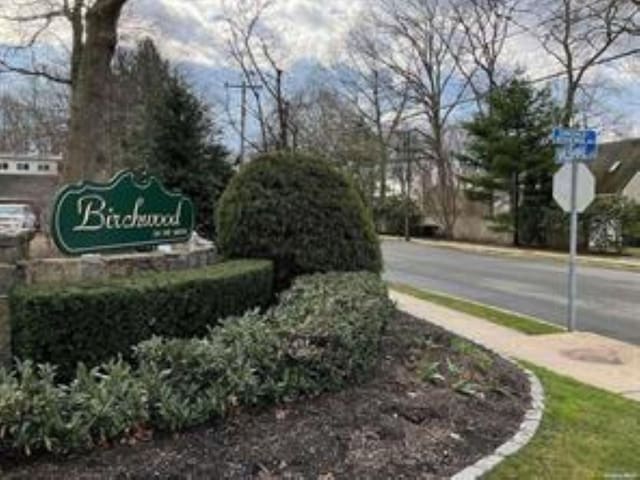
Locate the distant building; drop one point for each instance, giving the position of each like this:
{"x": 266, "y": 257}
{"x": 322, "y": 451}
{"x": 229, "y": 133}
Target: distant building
{"x": 28, "y": 165}
{"x": 29, "y": 179}
{"x": 617, "y": 169}
{"x": 617, "y": 172}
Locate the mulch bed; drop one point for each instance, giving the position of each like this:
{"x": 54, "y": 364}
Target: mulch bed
{"x": 434, "y": 406}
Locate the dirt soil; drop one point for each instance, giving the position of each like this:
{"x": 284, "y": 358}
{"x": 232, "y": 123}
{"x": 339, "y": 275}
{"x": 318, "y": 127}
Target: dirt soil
{"x": 435, "y": 405}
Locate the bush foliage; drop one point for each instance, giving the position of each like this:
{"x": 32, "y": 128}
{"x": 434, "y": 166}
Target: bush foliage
{"x": 324, "y": 333}
{"x": 92, "y": 323}
{"x": 301, "y": 213}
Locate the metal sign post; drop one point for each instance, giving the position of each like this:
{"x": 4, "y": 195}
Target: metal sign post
{"x": 573, "y": 247}
{"x": 574, "y": 146}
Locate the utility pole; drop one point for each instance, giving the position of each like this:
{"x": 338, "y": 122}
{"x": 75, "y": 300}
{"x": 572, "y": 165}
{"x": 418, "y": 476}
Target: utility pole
{"x": 408, "y": 152}
{"x": 243, "y": 111}
{"x": 282, "y": 110}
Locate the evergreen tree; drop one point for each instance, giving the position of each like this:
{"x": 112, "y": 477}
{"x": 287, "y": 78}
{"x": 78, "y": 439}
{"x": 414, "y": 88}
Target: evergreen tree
{"x": 510, "y": 152}
{"x": 184, "y": 153}
{"x": 170, "y": 133}
{"x": 141, "y": 79}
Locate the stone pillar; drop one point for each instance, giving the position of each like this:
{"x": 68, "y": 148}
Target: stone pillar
{"x": 5, "y": 332}
{"x": 7, "y": 279}
{"x": 14, "y": 249}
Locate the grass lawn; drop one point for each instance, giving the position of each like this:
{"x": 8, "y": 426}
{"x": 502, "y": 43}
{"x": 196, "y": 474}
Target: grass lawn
{"x": 586, "y": 433}
{"x": 522, "y": 323}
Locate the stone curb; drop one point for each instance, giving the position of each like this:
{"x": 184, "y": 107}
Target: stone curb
{"x": 526, "y": 431}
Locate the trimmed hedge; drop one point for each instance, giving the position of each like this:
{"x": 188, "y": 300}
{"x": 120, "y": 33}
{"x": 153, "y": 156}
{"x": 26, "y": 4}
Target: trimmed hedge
{"x": 324, "y": 334}
{"x": 93, "y": 322}
{"x": 301, "y": 213}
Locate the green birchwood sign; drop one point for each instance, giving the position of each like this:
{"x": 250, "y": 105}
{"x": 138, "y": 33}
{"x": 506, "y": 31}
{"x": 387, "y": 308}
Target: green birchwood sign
{"x": 91, "y": 217}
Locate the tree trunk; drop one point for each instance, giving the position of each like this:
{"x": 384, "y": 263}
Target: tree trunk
{"x": 282, "y": 112}
{"x": 569, "y": 105}
{"x": 87, "y": 155}
{"x": 516, "y": 210}
{"x": 383, "y": 174}
{"x": 381, "y": 141}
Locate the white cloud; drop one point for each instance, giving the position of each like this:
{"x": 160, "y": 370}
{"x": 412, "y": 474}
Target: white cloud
{"x": 192, "y": 31}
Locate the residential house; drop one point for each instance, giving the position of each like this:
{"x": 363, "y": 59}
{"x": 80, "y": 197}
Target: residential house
{"x": 617, "y": 169}
{"x": 617, "y": 172}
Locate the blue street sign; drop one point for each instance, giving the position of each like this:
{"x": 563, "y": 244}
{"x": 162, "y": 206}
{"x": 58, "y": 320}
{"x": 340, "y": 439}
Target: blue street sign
{"x": 575, "y": 145}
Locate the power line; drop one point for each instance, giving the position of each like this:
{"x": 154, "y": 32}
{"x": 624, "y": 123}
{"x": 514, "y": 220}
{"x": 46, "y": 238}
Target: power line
{"x": 243, "y": 87}
{"x": 548, "y": 77}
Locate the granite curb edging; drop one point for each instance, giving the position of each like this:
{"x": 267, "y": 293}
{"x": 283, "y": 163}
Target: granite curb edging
{"x": 527, "y": 429}
{"x": 525, "y": 433}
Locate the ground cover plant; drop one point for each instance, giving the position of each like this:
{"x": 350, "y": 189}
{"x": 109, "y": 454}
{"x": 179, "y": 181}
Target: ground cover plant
{"x": 301, "y": 213}
{"x": 323, "y": 334}
{"x": 96, "y": 321}
{"x": 394, "y": 424}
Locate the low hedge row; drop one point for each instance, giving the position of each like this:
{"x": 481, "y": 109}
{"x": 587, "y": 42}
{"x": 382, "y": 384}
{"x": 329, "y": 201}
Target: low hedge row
{"x": 94, "y": 322}
{"x": 324, "y": 333}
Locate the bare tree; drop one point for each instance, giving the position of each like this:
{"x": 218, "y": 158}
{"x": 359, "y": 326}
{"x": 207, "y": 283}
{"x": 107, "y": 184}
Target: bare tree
{"x": 377, "y": 93}
{"x": 253, "y": 46}
{"x": 421, "y": 36}
{"x": 34, "y": 119}
{"x": 92, "y": 25}
{"x": 329, "y": 125}
{"x": 484, "y": 27}
{"x": 577, "y": 34}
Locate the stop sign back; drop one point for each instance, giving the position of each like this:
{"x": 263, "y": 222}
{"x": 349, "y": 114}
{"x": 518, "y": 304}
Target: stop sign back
{"x": 585, "y": 187}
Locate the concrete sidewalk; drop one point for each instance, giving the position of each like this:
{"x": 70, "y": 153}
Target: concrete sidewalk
{"x": 618, "y": 263}
{"x": 599, "y": 361}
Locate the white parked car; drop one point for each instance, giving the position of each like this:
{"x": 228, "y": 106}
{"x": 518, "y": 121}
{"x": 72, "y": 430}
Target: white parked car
{"x": 16, "y": 219}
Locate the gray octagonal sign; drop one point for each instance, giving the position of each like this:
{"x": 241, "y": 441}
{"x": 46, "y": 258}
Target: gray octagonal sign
{"x": 586, "y": 187}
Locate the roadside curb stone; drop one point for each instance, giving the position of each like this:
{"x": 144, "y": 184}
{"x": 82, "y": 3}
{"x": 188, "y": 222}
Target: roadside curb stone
{"x": 527, "y": 429}
{"x": 630, "y": 265}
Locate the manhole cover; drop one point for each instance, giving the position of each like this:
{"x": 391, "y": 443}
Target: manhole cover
{"x": 594, "y": 355}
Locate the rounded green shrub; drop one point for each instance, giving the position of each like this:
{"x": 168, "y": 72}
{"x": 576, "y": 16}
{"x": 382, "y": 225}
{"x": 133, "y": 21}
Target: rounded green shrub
{"x": 301, "y": 213}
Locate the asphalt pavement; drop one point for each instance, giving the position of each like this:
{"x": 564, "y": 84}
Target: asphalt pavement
{"x": 608, "y": 300}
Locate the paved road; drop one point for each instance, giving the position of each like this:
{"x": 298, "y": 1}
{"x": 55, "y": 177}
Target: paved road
{"x": 608, "y": 300}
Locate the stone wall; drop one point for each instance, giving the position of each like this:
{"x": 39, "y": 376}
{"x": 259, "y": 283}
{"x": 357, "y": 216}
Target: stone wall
{"x": 89, "y": 268}
{"x": 100, "y": 267}
{"x": 472, "y": 224}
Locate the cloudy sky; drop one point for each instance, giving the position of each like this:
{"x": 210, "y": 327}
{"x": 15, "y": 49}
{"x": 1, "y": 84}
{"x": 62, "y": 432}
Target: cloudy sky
{"x": 311, "y": 33}
{"x": 195, "y": 28}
